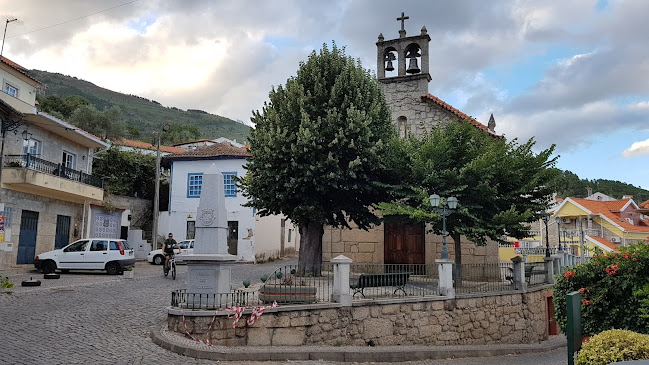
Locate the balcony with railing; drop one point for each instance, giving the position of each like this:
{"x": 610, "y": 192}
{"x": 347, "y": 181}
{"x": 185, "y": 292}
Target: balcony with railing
{"x": 35, "y": 175}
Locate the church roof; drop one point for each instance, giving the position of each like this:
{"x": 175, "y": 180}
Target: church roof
{"x": 457, "y": 112}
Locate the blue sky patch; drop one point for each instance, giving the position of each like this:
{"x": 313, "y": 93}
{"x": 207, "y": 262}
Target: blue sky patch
{"x": 141, "y": 24}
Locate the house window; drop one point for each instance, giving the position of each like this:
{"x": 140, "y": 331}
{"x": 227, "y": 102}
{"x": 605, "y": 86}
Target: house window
{"x": 194, "y": 183}
{"x": 191, "y": 230}
{"x": 32, "y": 146}
{"x": 8, "y": 213}
{"x": 69, "y": 160}
{"x": 11, "y": 90}
{"x": 229, "y": 185}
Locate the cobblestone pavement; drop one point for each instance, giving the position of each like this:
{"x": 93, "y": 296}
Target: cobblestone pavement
{"x": 95, "y": 318}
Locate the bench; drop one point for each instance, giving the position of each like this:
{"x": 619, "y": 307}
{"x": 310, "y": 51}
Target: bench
{"x": 530, "y": 270}
{"x": 396, "y": 279}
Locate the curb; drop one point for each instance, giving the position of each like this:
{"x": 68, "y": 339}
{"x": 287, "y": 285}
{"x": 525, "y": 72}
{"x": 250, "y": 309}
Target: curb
{"x": 177, "y": 343}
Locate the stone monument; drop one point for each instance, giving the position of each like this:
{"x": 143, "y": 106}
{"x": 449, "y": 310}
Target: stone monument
{"x": 208, "y": 268}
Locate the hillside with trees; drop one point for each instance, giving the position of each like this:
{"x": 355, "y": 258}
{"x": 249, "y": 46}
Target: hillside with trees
{"x": 569, "y": 184}
{"x": 141, "y": 116}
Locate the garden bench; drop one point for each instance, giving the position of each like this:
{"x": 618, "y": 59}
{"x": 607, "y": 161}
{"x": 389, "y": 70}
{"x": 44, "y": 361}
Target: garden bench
{"x": 530, "y": 270}
{"x": 396, "y": 279}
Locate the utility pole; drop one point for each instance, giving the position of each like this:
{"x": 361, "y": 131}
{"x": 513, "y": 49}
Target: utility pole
{"x": 5, "y": 34}
{"x": 156, "y": 199}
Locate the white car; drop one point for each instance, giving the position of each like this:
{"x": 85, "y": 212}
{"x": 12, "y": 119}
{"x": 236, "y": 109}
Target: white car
{"x": 157, "y": 257}
{"x": 110, "y": 254}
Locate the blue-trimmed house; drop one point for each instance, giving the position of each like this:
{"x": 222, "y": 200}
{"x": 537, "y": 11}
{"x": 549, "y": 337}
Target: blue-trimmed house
{"x": 185, "y": 188}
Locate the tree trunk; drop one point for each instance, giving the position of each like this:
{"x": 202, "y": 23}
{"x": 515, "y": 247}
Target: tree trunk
{"x": 458, "y": 259}
{"x": 310, "y": 260}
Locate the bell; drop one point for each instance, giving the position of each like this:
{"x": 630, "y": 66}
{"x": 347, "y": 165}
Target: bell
{"x": 389, "y": 66}
{"x": 412, "y": 66}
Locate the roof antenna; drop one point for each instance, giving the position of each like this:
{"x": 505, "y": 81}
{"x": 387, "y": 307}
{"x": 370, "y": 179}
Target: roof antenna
{"x": 5, "y": 34}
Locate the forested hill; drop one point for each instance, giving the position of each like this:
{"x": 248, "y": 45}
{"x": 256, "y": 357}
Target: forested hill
{"x": 147, "y": 115}
{"x": 569, "y": 184}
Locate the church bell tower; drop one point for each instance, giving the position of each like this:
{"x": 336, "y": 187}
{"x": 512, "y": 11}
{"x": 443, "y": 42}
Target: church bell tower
{"x": 410, "y": 54}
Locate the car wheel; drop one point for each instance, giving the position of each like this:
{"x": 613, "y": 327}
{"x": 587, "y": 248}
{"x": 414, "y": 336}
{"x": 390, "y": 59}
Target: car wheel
{"x": 65, "y": 271}
{"x": 159, "y": 260}
{"x": 113, "y": 268}
{"x": 48, "y": 267}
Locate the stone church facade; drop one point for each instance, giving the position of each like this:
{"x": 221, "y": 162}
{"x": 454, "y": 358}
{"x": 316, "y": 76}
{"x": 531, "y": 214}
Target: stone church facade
{"x": 414, "y": 111}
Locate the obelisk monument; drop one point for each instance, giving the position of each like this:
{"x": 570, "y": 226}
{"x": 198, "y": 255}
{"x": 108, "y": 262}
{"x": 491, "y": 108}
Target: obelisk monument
{"x": 208, "y": 267}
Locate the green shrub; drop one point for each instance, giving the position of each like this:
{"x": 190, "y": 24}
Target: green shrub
{"x": 614, "y": 289}
{"x": 614, "y": 346}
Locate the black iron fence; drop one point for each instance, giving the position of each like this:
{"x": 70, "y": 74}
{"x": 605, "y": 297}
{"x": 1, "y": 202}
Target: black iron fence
{"x": 372, "y": 281}
{"x": 57, "y": 169}
{"x": 239, "y": 298}
{"x": 294, "y": 284}
{"x": 476, "y": 278}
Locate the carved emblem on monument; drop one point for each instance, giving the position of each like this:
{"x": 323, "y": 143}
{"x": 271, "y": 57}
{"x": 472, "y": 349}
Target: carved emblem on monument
{"x": 207, "y": 216}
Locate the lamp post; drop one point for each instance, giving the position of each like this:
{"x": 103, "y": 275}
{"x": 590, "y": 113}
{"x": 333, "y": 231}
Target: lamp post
{"x": 156, "y": 197}
{"x": 558, "y": 220}
{"x": 444, "y": 207}
{"x": 547, "y": 238}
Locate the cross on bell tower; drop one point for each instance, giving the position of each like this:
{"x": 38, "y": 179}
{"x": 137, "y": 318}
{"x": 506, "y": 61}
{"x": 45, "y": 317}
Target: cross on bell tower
{"x": 402, "y": 32}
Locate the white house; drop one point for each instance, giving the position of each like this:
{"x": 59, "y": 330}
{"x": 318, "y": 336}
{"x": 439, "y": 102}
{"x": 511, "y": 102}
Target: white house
{"x": 185, "y": 190}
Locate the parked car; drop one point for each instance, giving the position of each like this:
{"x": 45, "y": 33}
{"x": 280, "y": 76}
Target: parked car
{"x": 157, "y": 257}
{"x": 110, "y": 254}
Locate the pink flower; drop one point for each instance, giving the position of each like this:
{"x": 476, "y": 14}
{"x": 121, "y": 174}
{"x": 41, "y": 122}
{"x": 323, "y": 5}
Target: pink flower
{"x": 587, "y": 302}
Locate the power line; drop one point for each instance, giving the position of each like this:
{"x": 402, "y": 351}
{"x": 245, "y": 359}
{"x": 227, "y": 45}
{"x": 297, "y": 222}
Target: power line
{"x": 71, "y": 20}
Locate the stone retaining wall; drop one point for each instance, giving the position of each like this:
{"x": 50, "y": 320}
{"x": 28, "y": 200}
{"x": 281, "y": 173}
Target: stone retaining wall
{"x": 506, "y": 318}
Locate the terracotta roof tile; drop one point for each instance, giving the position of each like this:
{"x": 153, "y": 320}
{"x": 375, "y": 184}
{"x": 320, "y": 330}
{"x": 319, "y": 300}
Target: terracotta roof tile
{"x": 146, "y": 146}
{"x": 18, "y": 68}
{"x": 457, "y": 112}
{"x": 216, "y": 150}
{"x": 604, "y": 242}
{"x": 609, "y": 209}
{"x": 189, "y": 142}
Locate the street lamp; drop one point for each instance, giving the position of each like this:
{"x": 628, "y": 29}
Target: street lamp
{"x": 558, "y": 220}
{"x": 444, "y": 207}
{"x": 547, "y": 238}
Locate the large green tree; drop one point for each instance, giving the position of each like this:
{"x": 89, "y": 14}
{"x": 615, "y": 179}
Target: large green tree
{"x": 319, "y": 150}
{"x": 105, "y": 124}
{"x": 126, "y": 173}
{"x": 500, "y": 185}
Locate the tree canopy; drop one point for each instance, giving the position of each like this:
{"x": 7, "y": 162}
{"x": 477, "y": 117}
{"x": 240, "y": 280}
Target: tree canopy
{"x": 500, "y": 185}
{"x": 319, "y": 149}
{"x": 126, "y": 173}
{"x": 104, "y": 124}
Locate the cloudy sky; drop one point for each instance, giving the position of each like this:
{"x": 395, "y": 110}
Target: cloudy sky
{"x": 570, "y": 73}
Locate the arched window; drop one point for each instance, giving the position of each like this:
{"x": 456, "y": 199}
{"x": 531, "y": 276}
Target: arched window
{"x": 402, "y": 125}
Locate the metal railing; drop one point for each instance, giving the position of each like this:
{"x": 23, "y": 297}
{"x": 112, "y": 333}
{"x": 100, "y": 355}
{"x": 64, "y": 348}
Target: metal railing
{"x": 57, "y": 169}
{"x": 477, "y": 278}
{"x": 293, "y": 284}
{"x": 239, "y": 298}
{"x": 372, "y": 281}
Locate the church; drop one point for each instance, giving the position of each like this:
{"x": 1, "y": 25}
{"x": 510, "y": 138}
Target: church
{"x": 414, "y": 110}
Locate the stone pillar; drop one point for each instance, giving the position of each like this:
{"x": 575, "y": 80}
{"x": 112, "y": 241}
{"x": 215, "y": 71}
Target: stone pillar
{"x": 445, "y": 267}
{"x": 519, "y": 273}
{"x": 560, "y": 257}
{"x": 341, "y": 280}
{"x": 549, "y": 270}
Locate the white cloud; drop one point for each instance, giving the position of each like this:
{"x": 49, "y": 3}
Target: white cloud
{"x": 637, "y": 149}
